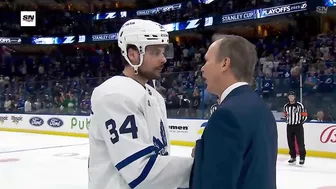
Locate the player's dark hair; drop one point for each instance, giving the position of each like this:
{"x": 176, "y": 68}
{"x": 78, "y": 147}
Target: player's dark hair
{"x": 133, "y": 47}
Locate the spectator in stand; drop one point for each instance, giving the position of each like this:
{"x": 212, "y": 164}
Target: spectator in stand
{"x": 172, "y": 103}
{"x": 8, "y": 104}
{"x": 28, "y": 105}
{"x": 326, "y": 81}
{"x": 267, "y": 85}
{"x": 74, "y": 75}
{"x": 310, "y": 83}
{"x": 319, "y": 117}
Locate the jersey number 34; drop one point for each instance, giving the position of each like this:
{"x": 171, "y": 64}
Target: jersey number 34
{"x": 128, "y": 126}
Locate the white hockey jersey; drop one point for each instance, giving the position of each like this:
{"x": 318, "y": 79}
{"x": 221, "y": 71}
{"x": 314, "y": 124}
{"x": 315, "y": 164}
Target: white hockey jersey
{"x": 129, "y": 141}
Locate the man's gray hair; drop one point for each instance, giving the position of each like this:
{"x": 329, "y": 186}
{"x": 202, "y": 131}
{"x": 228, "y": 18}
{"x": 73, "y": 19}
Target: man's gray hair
{"x": 242, "y": 53}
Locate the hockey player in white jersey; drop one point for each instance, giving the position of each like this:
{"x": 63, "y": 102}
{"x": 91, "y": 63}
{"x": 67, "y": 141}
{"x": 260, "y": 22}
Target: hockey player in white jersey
{"x": 129, "y": 141}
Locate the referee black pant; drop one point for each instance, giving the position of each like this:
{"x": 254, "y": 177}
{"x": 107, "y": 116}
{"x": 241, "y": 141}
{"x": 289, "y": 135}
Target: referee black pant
{"x": 296, "y": 131}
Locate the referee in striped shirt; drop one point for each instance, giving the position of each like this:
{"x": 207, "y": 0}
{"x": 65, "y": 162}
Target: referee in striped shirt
{"x": 296, "y": 115}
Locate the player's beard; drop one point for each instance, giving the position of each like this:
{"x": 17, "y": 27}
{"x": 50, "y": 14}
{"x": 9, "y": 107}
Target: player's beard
{"x": 149, "y": 75}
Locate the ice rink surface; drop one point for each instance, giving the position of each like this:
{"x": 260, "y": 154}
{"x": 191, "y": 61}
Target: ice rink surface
{"x": 36, "y": 161}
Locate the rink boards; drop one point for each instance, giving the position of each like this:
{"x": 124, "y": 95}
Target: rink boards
{"x": 320, "y": 138}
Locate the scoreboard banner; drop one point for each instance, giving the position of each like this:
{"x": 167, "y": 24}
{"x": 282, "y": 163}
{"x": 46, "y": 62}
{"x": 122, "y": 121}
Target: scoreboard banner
{"x": 10, "y": 40}
{"x": 172, "y": 27}
{"x": 283, "y": 9}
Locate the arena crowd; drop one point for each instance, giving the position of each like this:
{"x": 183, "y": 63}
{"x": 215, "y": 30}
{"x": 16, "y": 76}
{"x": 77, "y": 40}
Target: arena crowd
{"x": 61, "y": 80}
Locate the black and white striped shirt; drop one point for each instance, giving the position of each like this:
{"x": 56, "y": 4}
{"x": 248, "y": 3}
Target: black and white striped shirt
{"x": 295, "y": 114}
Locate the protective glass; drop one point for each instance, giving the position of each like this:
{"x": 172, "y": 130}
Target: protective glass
{"x": 169, "y": 51}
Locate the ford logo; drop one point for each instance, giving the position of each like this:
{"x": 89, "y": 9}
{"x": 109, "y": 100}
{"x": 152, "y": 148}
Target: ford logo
{"x": 55, "y": 122}
{"x": 36, "y": 121}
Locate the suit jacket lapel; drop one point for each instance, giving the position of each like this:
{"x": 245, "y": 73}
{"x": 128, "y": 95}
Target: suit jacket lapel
{"x": 237, "y": 91}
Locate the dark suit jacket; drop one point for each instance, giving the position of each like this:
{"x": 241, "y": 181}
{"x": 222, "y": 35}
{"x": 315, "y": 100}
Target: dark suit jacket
{"x": 238, "y": 148}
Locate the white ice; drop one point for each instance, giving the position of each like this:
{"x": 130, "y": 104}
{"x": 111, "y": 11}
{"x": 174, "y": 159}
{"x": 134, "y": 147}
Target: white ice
{"x": 52, "y": 162}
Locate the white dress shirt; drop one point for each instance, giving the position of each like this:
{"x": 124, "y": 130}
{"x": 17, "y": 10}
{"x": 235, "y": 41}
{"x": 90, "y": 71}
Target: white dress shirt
{"x": 228, "y": 90}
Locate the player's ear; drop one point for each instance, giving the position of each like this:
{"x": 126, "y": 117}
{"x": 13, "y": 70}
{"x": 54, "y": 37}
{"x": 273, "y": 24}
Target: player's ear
{"x": 134, "y": 55}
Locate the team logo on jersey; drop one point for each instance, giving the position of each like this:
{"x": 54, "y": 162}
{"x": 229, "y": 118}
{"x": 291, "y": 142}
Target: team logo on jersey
{"x": 328, "y": 81}
{"x": 161, "y": 145}
{"x": 150, "y": 92}
{"x": 213, "y": 108}
{"x": 295, "y": 110}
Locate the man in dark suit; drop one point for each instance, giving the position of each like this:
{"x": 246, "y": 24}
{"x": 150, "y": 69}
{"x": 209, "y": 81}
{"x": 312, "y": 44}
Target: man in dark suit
{"x": 238, "y": 148}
